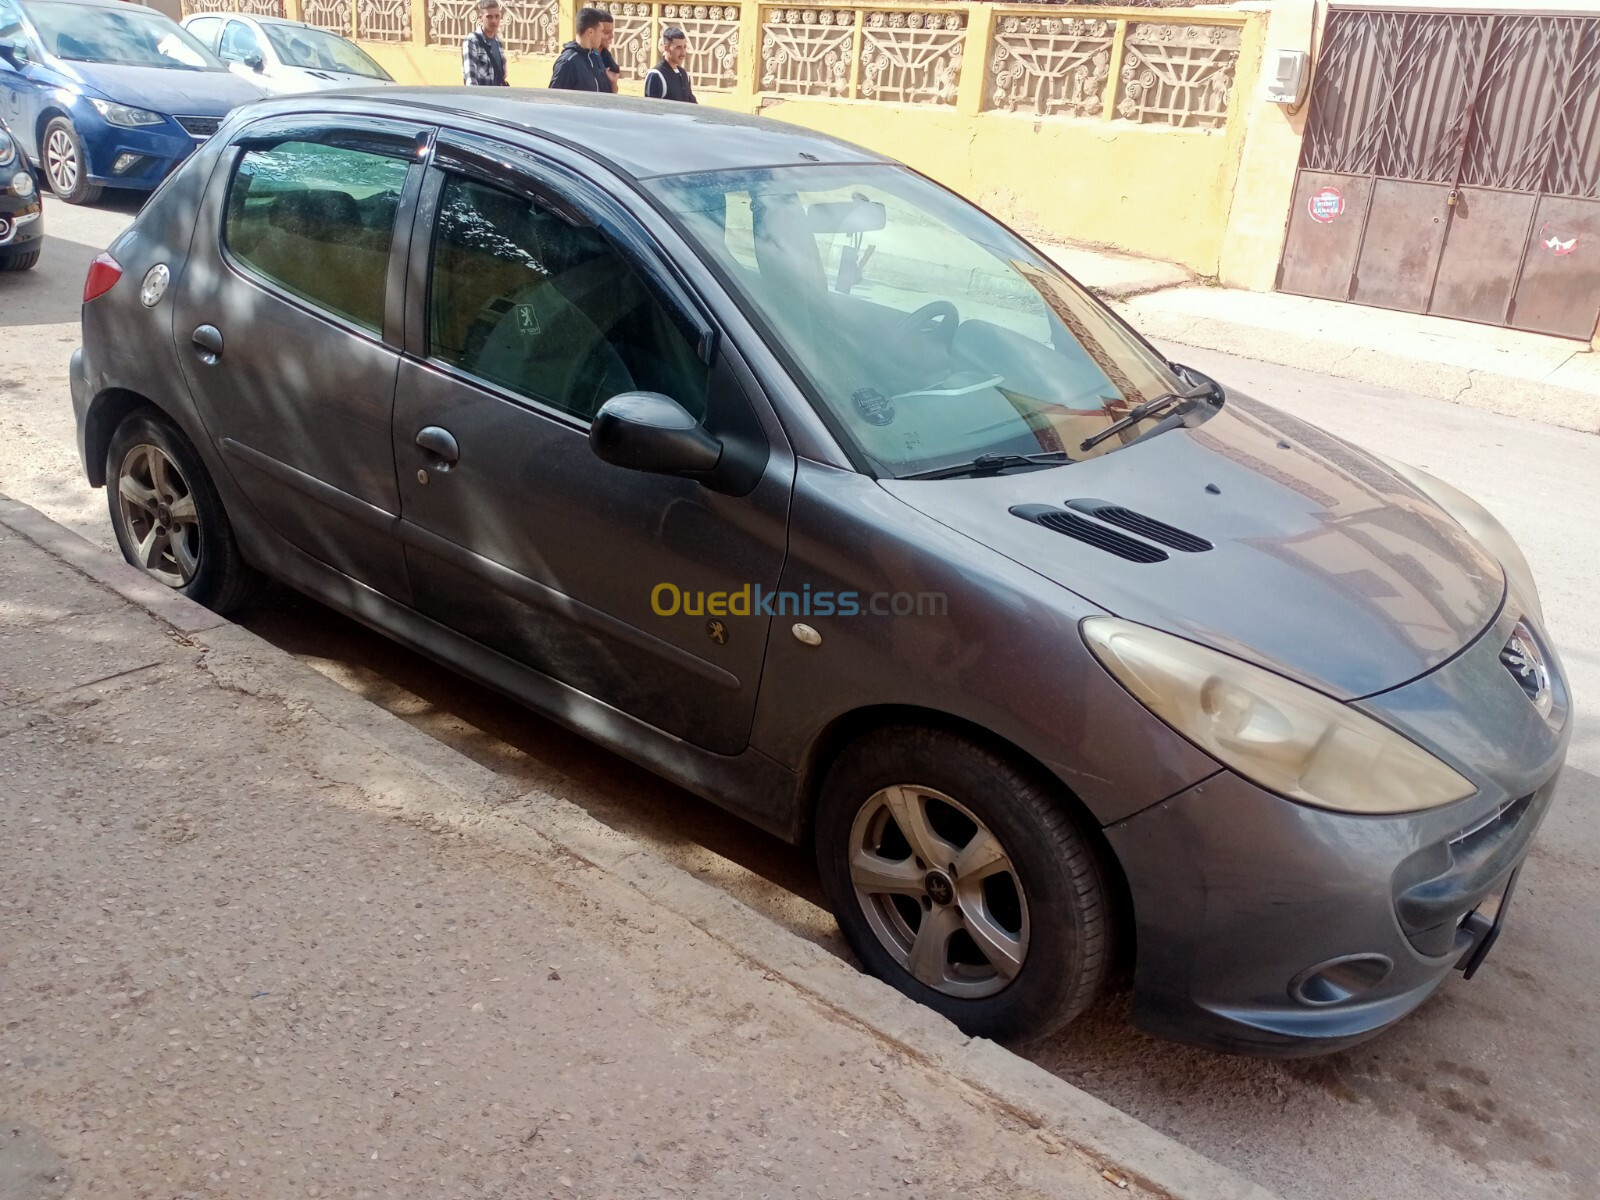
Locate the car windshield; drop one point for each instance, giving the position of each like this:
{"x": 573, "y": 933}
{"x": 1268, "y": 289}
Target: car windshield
{"x": 926, "y": 332}
{"x": 318, "y": 50}
{"x": 131, "y": 36}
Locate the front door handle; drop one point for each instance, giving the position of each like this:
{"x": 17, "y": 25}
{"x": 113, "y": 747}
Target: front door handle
{"x": 441, "y": 446}
{"x": 207, "y": 341}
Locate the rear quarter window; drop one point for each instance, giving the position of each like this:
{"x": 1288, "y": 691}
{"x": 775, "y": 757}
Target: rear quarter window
{"x": 317, "y": 221}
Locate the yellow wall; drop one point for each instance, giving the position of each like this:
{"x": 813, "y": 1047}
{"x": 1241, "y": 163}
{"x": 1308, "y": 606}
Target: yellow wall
{"x": 1208, "y": 199}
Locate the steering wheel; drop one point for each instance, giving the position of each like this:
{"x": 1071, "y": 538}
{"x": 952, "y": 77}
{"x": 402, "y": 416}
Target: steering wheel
{"x": 937, "y": 316}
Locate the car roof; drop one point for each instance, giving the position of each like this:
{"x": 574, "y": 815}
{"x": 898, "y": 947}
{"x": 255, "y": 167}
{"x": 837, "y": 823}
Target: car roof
{"x": 635, "y": 137}
{"x": 123, "y": 5}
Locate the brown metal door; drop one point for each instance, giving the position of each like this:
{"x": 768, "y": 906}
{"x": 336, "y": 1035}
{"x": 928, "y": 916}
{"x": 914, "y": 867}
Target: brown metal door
{"x": 1437, "y": 148}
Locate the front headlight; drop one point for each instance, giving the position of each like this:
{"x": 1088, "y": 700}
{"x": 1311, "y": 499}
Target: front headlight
{"x": 22, "y": 184}
{"x": 124, "y": 115}
{"x": 8, "y": 151}
{"x": 1480, "y": 526}
{"x": 1276, "y": 733}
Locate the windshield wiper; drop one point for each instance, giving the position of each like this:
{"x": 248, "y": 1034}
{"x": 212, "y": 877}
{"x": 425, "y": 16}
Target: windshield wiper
{"x": 986, "y": 463}
{"x": 1149, "y": 408}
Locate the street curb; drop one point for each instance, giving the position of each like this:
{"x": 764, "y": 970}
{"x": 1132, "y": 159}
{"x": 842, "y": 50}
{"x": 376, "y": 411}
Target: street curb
{"x": 1123, "y": 1148}
{"x": 1471, "y": 387}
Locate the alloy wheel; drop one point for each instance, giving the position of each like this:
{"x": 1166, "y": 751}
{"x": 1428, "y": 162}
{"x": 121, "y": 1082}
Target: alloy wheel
{"x": 61, "y": 161}
{"x": 939, "y": 891}
{"x": 157, "y": 509}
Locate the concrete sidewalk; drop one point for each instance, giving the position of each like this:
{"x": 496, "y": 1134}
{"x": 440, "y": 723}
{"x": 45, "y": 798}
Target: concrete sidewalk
{"x": 1506, "y": 371}
{"x": 260, "y": 938}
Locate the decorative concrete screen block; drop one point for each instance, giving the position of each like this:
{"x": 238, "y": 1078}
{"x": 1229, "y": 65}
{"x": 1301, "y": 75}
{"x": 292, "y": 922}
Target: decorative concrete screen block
{"x": 1050, "y": 66}
{"x": 1178, "y": 74}
{"x": 806, "y": 51}
{"x": 713, "y": 33}
{"x": 328, "y": 14}
{"x": 912, "y": 57}
{"x": 255, "y": 8}
{"x": 634, "y": 44}
{"x": 383, "y": 20}
{"x": 529, "y": 26}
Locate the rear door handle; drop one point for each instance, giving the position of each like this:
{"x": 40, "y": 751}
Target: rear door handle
{"x": 207, "y": 341}
{"x": 441, "y": 445}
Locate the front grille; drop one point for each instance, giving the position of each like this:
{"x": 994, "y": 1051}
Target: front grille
{"x": 200, "y": 127}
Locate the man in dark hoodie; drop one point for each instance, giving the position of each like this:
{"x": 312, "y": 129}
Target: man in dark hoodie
{"x": 579, "y": 67}
{"x": 668, "y": 80}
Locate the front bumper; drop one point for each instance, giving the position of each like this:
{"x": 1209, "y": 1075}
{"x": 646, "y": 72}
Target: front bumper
{"x": 138, "y": 158}
{"x": 1247, "y": 905}
{"x": 21, "y": 223}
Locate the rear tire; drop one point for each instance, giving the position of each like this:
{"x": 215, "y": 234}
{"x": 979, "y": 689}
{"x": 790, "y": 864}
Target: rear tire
{"x": 168, "y": 517}
{"x": 999, "y": 875}
{"x": 20, "y": 262}
{"x": 66, "y": 165}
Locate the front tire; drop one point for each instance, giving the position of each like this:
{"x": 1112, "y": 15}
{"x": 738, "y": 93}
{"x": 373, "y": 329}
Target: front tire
{"x": 963, "y": 880}
{"x": 20, "y": 262}
{"x": 66, "y": 165}
{"x": 168, "y": 517}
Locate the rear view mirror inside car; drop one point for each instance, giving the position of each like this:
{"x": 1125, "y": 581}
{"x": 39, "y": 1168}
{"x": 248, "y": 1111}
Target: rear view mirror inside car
{"x": 846, "y": 216}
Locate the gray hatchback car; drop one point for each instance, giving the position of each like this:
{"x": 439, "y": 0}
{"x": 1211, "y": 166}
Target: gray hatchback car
{"x": 781, "y": 470}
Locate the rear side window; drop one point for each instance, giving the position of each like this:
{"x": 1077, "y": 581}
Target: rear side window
{"x": 318, "y": 220}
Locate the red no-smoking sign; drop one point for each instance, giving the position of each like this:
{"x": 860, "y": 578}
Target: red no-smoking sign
{"x": 1326, "y": 204}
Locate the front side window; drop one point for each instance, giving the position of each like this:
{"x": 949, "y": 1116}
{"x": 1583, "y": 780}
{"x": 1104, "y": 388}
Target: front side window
{"x": 239, "y": 42}
{"x": 529, "y": 300}
{"x": 319, "y": 50}
{"x": 926, "y": 330}
{"x": 205, "y": 30}
{"x": 318, "y": 220}
{"x": 129, "y": 36}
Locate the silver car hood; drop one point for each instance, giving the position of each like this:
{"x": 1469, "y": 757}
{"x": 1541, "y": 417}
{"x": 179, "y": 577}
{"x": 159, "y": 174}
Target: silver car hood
{"x": 1324, "y": 566}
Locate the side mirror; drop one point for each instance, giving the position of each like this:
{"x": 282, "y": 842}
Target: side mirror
{"x": 646, "y": 431}
{"x": 254, "y": 61}
{"x": 15, "y": 52}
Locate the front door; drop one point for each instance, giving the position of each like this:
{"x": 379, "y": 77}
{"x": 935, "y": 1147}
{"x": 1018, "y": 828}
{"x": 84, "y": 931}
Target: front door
{"x": 288, "y": 323}
{"x": 601, "y": 578}
{"x": 1451, "y": 166}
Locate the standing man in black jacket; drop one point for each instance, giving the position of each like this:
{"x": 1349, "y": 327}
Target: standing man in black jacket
{"x": 579, "y": 67}
{"x": 668, "y": 80}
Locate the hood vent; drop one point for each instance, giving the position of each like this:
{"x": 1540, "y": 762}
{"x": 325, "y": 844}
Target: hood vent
{"x": 1145, "y": 527}
{"x": 1091, "y": 533}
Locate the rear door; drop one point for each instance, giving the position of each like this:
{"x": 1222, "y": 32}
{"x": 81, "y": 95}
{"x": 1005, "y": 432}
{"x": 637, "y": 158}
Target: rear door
{"x": 288, "y": 324}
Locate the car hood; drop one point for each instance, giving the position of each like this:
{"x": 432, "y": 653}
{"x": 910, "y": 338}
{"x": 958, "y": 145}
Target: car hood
{"x": 166, "y": 90}
{"x": 1324, "y": 566}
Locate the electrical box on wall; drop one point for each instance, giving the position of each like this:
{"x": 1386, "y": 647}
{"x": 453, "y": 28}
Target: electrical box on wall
{"x": 1285, "y": 76}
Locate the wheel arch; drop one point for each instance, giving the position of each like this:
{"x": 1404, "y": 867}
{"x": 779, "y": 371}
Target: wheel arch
{"x": 46, "y": 115}
{"x": 850, "y": 727}
{"x": 107, "y": 411}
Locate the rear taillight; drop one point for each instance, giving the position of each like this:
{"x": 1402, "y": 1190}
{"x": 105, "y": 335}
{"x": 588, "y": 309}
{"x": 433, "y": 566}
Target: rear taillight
{"x": 103, "y": 275}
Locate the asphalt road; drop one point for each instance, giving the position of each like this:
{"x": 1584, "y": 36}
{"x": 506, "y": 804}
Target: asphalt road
{"x": 1491, "y": 1090}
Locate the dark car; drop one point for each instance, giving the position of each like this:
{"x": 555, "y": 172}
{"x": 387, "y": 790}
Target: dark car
{"x": 21, "y": 212}
{"x": 104, "y": 93}
{"x": 789, "y": 474}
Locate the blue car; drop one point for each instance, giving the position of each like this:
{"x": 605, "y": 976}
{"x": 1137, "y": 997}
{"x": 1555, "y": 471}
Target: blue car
{"x": 103, "y": 93}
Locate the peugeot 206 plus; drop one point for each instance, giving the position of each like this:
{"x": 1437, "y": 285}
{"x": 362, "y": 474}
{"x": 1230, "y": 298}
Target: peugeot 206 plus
{"x": 783, "y": 471}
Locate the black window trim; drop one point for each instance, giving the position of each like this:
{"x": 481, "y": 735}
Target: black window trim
{"x": 404, "y": 140}
{"x": 518, "y": 172}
